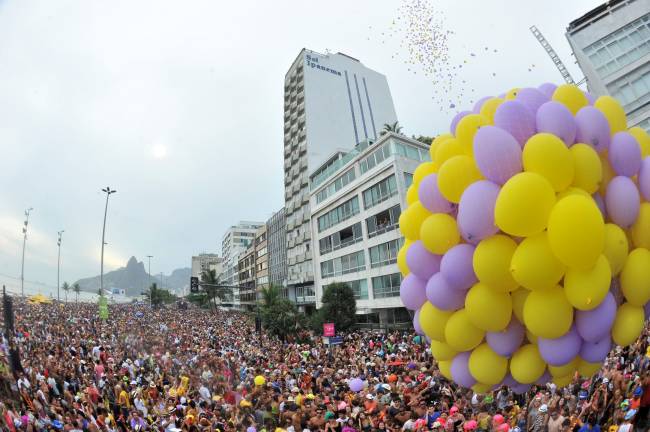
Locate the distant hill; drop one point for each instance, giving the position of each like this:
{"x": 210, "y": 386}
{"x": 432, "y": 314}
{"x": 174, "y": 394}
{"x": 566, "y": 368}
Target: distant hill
{"x": 134, "y": 279}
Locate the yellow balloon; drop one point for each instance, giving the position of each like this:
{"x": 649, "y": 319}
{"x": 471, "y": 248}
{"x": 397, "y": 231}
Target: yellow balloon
{"x": 439, "y": 233}
{"x": 455, "y": 175}
{"x": 519, "y": 297}
{"x": 445, "y": 368}
{"x": 486, "y": 366}
{"x": 412, "y": 194}
{"x": 642, "y": 138}
{"x": 527, "y": 365}
{"x": 488, "y": 309}
{"x": 614, "y": 113}
{"x": 565, "y": 369}
{"x": 433, "y": 321}
{"x": 489, "y": 107}
{"x": 588, "y": 170}
{"x": 628, "y": 324}
{"x": 563, "y": 381}
{"x": 423, "y": 170}
{"x": 533, "y": 264}
{"x": 259, "y": 380}
{"x": 576, "y": 231}
{"x": 466, "y": 129}
{"x": 412, "y": 219}
{"x": 571, "y": 97}
{"x": 481, "y": 388}
{"x": 491, "y": 262}
{"x": 442, "y": 351}
{"x": 572, "y": 191}
{"x": 608, "y": 173}
{"x": 512, "y": 94}
{"x": 547, "y": 155}
{"x": 616, "y": 247}
{"x": 587, "y": 369}
{"x": 531, "y": 337}
{"x": 436, "y": 142}
{"x": 635, "y": 277}
{"x": 401, "y": 258}
{"x": 460, "y": 333}
{"x": 524, "y": 204}
{"x": 447, "y": 149}
{"x": 640, "y": 230}
{"x": 586, "y": 289}
{"x": 548, "y": 313}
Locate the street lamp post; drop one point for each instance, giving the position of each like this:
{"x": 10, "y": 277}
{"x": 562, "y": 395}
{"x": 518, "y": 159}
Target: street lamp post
{"x": 150, "y": 291}
{"x": 22, "y": 266}
{"x": 58, "y": 267}
{"x": 108, "y": 192}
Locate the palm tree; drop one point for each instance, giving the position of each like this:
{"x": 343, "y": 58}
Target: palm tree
{"x": 66, "y": 288}
{"x": 395, "y": 127}
{"x": 211, "y": 281}
{"x": 270, "y": 295}
{"x": 77, "y": 289}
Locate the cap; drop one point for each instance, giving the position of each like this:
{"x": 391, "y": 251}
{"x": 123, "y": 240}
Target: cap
{"x": 543, "y": 408}
{"x": 605, "y": 380}
{"x": 453, "y": 410}
{"x": 369, "y": 396}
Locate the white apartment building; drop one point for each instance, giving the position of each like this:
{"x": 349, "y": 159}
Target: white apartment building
{"x": 234, "y": 242}
{"x": 331, "y": 102}
{"x": 206, "y": 261}
{"x": 611, "y": 44}
{"x": 356, "y": 200}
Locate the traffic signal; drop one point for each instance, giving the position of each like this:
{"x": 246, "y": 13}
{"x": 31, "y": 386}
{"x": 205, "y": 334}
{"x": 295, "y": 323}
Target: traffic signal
{"x": 194, "y": 284}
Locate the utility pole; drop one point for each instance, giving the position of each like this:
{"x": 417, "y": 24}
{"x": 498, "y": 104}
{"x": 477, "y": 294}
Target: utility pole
{"x": 150, "y": 291}
{"x": 22, "y": 266}
{"x": 58, "y": 267}
{"x": 108, "y": 192}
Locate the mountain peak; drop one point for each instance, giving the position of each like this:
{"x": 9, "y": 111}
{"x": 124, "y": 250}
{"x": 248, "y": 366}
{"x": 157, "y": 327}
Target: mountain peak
{"x": 132, "y": 262}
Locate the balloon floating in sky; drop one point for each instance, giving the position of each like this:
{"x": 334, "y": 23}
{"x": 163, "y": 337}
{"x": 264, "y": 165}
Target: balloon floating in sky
{"x": 544, "y": 265}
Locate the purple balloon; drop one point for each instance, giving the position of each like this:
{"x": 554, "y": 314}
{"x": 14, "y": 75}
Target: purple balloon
{"x": 479, "y": 103}
{"x": 421, "y": 262}
{"x": 497, "y": 154}
{"x": 456, "y": 119}
{"x": 520, "y": 388}
{"x": 457, "y": 267}
{"x": 356, "y": 385}
{"x": 506, "y": 342}
{"x": 596, "y": 351}
{"x": 600, "y": 202}
{"x": 531, "y": 98}
{"x": 476, "y": 211}
{"x": 460, "y": 370}
{"x": 622, "y": 201}
{"x": 553, "y": 117}
{"x": 593, "y": 325}
{"x": 416, "y": 323}
{"x": 592, "y": 128}
{"x": 251, "y": 429}
{"x": 413, "y": 292}
{"x": 514, "y": 118}
{"x": 625, "y": 154}
{"x": 591, "y": 98}
{"x": 430, "y": 196}
{"x": 644, "y": 178}
{"x": 562, "y": 350}
{"x": 442, "y": 296}
{"x": 547, "y": 89}
{"x": 646, "y": 310}
{"x": 545, "y": 378}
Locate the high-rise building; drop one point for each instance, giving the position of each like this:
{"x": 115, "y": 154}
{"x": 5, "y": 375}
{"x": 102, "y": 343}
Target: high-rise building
{"x": 612, "y": 46}
{"x": 246, "y": 278}
{"x": 261, "y": 261}
{"x": 356, "y": 200}
{"x": 276, "y": 240}
{"x": 331, "y": 103}
{"x": 205, "y": 262}
{"x": 234, "y": 242}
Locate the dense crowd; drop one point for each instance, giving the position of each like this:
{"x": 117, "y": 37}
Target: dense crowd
{"x": 194, "y": 370}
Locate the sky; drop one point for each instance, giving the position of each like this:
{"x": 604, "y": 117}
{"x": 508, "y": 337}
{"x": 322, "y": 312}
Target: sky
{"x": 179, "y": 107}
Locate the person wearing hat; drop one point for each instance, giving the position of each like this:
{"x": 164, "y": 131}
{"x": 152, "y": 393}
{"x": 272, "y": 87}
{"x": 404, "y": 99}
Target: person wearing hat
{"x": 540, "y": 420}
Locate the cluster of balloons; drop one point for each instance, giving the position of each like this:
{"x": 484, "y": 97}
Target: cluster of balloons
{"x": 527, "y": 249}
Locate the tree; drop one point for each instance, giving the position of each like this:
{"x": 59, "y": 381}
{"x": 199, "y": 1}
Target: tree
{"x": 395, "y": 127}
{"x": 423, "y": 139}
{"x": 339, "y": 305}
{"x": 159, "y": 296}
{"x": 280, "y": 317}
{"x": 210, "y": 281}
{"x": 77, "y": 289}
{"x": 66, "y": 288}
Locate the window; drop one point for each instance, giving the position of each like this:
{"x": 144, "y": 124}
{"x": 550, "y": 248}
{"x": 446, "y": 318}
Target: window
{"x": 383, "y": 222}
{"x": 262, "y": 252}
{"x": 359, "y": 288}
{"x": 335, "y": 186}
{"x": 350, "y": 263}
{"x": 379, "y": 192}
{"x": 346, "y": 237}
{"x": 339, "y": 214}
{"x": 633, "y": 89}
{"x": 408, "y": 179}
{"x": 262, "y": 280}
{"x": 385, "y": 253}
{"x": 386, "y": 286}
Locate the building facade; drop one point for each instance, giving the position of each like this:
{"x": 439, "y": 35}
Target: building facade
{"x": 234, "y": 243}
{"x": 246, "y": 277}
{"x": 356, "y": 200}
{"x": 205, "y": 262}
{"x": 261, "y": 261}
{"x": 331, "y": 102}
{"x": 276, "y": 240}
{"x": 611, "y": 44}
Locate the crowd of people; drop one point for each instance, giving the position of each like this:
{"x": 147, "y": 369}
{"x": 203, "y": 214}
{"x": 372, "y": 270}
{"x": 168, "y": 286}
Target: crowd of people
{"x": 194, "y": 370}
